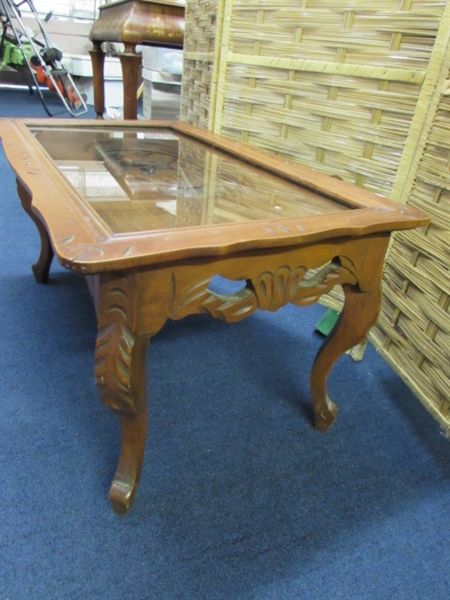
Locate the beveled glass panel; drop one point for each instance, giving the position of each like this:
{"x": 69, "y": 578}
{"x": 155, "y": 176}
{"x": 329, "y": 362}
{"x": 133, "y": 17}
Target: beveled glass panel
{"x": 151, "y": 179}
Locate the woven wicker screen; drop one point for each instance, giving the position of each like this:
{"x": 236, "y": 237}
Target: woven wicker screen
{"x": 199, "y": 59}
{"x": 413, "y": 331}
{"x": 349, "y": 89}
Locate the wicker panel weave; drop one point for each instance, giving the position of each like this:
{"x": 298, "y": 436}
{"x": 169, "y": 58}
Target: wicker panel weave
{"x": 199, "y": 49}
{"x": 195, "y": 97}
{"x": 352, "y": 127}
{"x": 413, "y": 332}
{"x": 200, "y": 32}
{"x": 391, "y": 33}
{"x": 331, "y": 84}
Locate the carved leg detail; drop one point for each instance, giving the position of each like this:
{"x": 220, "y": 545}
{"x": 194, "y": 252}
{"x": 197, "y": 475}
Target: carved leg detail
{"x": 120, "y": 374}
{"x": 121, "y": 379}
{"x": 359, "y": 315}
{"x": 41, "y": 268}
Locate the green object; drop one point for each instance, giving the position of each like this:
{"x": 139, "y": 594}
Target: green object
{"x": 13, "y": 55}
{"x": 327, "y": 322}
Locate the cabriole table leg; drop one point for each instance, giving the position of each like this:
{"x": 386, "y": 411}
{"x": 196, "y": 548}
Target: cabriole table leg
{"x": 361, "y": 309}
{"x": 41, "y": 268}
{"x": 120, "y": 375}
{"x": 133, "y": 425}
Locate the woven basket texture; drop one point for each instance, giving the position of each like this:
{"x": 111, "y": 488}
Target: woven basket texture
{"x": 198, "y": 52}
{"x": 329, "y": 86}
{"x": 347, "y": 88}
{"x": 413, "y": 330}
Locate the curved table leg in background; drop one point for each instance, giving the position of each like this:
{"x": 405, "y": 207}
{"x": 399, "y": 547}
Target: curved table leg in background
{"x": 360, "y": 313}
{"x": 131, "y": 63}
{"x": 98, "y": 66}
{"x": 41, "y": 268}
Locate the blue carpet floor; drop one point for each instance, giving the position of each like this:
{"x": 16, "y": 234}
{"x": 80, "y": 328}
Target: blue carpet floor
{"x": 240, "y": 499}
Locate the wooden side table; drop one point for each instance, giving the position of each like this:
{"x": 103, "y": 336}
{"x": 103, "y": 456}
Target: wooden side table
{"x": 132, "y": 22}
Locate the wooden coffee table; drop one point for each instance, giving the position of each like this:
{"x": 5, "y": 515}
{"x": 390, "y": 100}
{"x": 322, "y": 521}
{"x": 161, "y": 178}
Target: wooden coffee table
{"x": 149, "y": 213}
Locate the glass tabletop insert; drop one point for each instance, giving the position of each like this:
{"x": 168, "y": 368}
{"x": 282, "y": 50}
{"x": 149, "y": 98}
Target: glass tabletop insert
{"x": 147, "y": 179}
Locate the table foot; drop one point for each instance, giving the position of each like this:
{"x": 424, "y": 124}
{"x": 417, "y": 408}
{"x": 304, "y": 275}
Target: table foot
{"x": 325, "y": 417}
{"x": 126, "y": 480}
{"x": 41, "y": 268}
